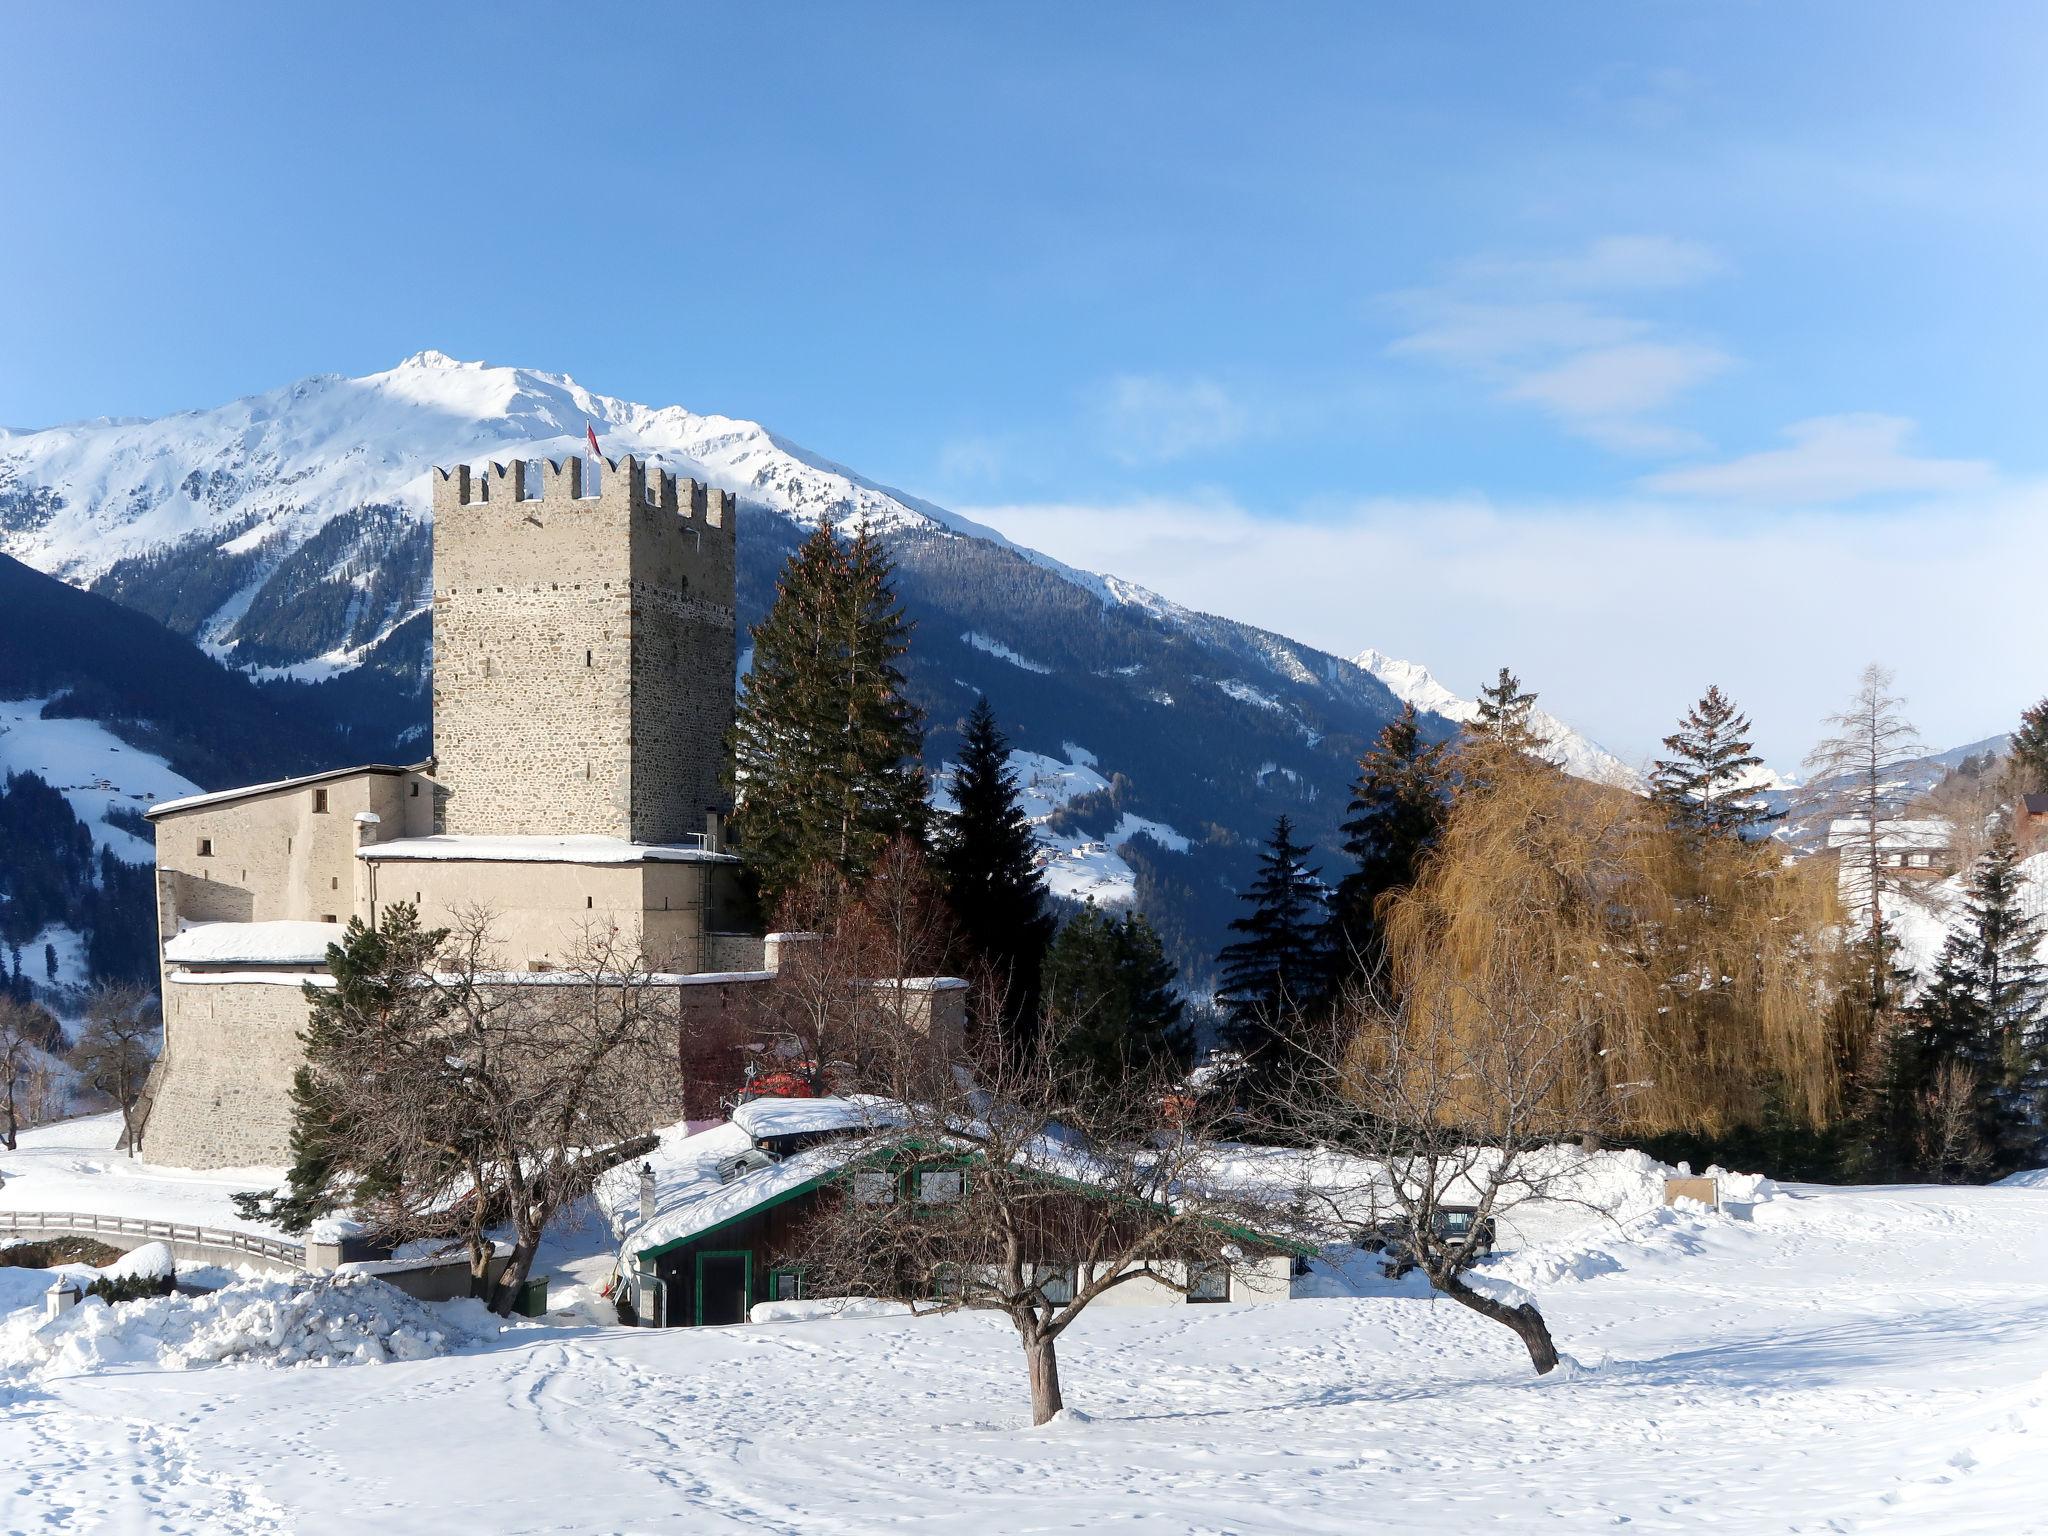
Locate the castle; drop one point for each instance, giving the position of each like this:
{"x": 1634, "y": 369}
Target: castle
{"x": 584, "y": 649}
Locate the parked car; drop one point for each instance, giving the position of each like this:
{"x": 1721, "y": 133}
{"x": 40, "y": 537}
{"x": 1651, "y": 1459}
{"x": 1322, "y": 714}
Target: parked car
{"x": 1451, "y": 1223}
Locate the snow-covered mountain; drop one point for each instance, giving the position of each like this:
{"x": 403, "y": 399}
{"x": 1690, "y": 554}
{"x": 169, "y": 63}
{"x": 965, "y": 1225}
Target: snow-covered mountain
{"x": 288, "y": 534}
{"x": 1578, "y": 755}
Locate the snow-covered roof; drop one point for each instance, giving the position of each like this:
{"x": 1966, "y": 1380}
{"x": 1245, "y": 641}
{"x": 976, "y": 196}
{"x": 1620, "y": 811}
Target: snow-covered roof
{"x": 222, "y": 796}
{"x": 270, "y": 943}
{"x": 796, "y": 1117}
{"x": 578, "y": 849}
{"x": 691, "y": 1198}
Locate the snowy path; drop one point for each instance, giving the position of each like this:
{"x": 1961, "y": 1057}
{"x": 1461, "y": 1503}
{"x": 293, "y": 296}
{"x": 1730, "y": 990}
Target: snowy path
{"x": 1848, "y": 1361}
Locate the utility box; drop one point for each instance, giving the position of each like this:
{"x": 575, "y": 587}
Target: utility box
{"x": 533, "y": 1297}
{"x": 1706, "y": 1191}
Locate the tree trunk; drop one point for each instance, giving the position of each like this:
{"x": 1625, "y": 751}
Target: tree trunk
{"x": 513, "y": 1276}
{"x": 7, "y": 1141}
{"x": 1525, "y": 1320}
{"x": 1045, "y": 1380}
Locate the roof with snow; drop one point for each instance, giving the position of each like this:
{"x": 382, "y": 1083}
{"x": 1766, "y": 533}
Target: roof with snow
{"x": 577, "y": 849}
{"x": 249, "y": 791}
{"x": 761, "y": 1118}
{"x": 271, "y": 943}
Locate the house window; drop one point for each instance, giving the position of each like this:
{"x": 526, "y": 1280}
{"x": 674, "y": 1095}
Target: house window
{"x": 1055, "y": 1282}
{"x": 785, "y": 1285}
{"x": 206, "y": 847}
{"x": 940, "y": 1186}
{"x": 874, "y": 1186}
{"x": 946, "y": 1283}
{"x": 319, "y": 801}
{"x": 329, "y": 917}
{"x": 1208, "y": 1282}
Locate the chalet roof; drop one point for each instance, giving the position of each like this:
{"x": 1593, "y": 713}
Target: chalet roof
{"x": 1932, "y": 833}
{"x": 251, "y": 791}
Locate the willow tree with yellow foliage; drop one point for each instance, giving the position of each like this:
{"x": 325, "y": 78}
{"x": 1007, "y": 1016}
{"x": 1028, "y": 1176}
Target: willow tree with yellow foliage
{"x": 1570, "y": 965}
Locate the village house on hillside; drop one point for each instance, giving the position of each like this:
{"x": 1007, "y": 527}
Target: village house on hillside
{"x": 584, "y": 650}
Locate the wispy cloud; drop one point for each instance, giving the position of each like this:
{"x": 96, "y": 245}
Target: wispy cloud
{"x": 1549, "y": 332}
{"x": 1829, "y": 459}
{"x": 1622, "y": 610}
{"x": 1149, "y": 418}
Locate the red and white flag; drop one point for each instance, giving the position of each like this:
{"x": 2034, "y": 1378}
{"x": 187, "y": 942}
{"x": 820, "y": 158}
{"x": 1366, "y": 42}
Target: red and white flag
{"x": 590, "y": 432}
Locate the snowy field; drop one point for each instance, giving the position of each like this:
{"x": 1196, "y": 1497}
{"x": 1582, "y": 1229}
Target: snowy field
{"x": 1833, "y": 1361}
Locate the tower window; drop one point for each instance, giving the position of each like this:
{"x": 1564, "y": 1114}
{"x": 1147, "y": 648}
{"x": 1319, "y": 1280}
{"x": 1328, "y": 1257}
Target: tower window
{"x": 319, "y": 802}
{"x": 206, "y": 847}
{"x": 415, "y": 789}
{"x": 589, "y": 901}
{"x": 586, "y": 659}
{"x": 334, "y": 882}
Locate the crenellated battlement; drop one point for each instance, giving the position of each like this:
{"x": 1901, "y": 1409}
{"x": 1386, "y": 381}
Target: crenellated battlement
{"x": 627, "y": 482}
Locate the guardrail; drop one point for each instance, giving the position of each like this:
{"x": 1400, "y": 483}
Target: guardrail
{"x": 89, "y": 1223}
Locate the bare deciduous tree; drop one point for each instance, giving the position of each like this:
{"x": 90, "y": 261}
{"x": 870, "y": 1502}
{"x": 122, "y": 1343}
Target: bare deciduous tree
{"x": 503, "y": 1096}
{"x": 26, "y": 1032}
{"x": 1028, "y": 1189}
{"x": 116, "y": 1047}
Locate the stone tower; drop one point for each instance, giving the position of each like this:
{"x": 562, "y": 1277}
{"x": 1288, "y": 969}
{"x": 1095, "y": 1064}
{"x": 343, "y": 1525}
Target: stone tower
{"x": 583, "y": 651}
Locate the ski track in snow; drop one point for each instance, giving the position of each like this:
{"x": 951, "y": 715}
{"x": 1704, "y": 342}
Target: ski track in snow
{"x": 1843, "y": 1361}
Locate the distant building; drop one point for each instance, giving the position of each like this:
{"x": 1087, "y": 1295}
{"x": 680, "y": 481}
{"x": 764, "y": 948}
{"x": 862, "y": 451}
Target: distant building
{"x": 1921, "y": 848}
{"x": 2030, "y": 824}
{"x": 583, "y": 695}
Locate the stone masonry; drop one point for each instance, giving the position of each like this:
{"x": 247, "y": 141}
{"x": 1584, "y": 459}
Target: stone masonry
{"x": 583, "y": 651}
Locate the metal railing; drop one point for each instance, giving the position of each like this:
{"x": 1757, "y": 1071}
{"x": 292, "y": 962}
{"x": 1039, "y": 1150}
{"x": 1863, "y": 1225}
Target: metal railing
{"x": 88, "y": 1223}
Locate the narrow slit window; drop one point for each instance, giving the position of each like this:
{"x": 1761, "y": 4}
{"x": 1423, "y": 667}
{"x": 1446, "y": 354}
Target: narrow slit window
{"x": 319, "y": 802}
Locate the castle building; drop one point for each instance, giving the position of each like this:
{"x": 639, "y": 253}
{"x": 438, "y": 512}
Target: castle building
{"x": 584, "y": 644}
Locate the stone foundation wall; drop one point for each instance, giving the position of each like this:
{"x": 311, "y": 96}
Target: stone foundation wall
{"x": 222, "y": 1090}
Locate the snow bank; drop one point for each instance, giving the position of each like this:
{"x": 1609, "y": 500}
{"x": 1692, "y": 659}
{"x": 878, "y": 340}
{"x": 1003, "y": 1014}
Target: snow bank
{"x": 152, "y": 1261}
{"x": 344, "y": 1320}
{"x": 2033, "y": 1178}
{"x": 836, "y": 1309}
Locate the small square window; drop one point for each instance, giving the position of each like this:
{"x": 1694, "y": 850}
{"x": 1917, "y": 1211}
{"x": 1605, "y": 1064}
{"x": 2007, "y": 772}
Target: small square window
{"x": 319, "y": 801}
{"x": 874, "y": 1186}
{"x": 786, "y": 1285}
{"x": 206, "y": 847}
{"x": 940, "y": 1186}
{"x": 1208, "y": 1282}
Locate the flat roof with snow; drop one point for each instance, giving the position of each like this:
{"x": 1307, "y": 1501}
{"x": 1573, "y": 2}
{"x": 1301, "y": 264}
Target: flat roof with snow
{"x": 269, "y": 943}
{"x": 578, "y": 849}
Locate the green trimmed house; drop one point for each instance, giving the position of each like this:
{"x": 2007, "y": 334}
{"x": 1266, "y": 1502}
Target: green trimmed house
{"x": 718, "y": 1207}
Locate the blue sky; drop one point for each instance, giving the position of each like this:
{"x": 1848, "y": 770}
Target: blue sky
{"x": 1639, "y": 346}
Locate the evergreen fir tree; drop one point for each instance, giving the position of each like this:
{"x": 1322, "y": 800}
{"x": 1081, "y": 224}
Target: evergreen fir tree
{"x": 1701, "y": 784}
{"x": 987, "y": 858}
{"x": 1272, "y": 975}
{"x": 1398, "y": 808}
{"x": 1109, "y": 989}
{"x": 1503, "y": 719}
{"x": 1986, "y": 1008}
{"x": 826, "y": 747}
{"x": 376, "y": 973}
{"x": 2030, "y": 750}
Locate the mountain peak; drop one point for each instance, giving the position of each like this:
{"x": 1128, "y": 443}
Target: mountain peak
{"x": 436, "y": 360}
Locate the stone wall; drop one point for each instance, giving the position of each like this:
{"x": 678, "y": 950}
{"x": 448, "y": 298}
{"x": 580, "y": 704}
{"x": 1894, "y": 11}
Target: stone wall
{"x": 583, "y": 651}
{"x": 221, "y": 1092}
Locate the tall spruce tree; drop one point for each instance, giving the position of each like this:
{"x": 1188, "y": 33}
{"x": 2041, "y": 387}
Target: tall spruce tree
{"x": 826, "y": 746}
{"x": 1503, "y": 718}
{"x": 1701, "y": 785}
{"x": 1109, "y": 991}
{"x": 2030, "y": 750}
{"x": 1398, "y": 807}
{"x": 1273, "y": 975}
{"x": 987, "y": 858}
{"x": 1986, "y": 1009}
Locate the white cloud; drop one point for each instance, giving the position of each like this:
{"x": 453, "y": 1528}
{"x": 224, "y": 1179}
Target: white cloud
{"x": 1620, "y": 612}
{"x": 1156, "y": 419}
{"x": 1541, "y": 332}
{"x": 1831, "y": 459}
